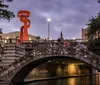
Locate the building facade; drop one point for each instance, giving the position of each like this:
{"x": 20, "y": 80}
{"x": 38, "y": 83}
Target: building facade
{"x": 84, "y": 35}
{"x": 14, "y": 36}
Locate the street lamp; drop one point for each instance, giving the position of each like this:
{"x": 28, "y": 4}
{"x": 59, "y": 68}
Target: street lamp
{"x": 74, "y": 38}
{"x": 48, "y": 20}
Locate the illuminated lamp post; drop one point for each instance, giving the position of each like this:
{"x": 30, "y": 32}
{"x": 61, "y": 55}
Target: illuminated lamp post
{"x": 48, "y": 20}
{"x": 74, "y": 39}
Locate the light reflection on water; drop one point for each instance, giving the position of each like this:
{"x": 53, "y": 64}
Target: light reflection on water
{"x": 68, "y": 81}
{"x": 72, "y": 81}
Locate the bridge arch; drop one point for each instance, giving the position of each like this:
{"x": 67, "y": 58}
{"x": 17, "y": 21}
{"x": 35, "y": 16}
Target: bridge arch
{"x": 22, "y": 73}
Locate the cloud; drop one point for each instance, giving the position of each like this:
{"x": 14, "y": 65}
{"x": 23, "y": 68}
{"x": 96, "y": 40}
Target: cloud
{"x": 8, "y": 26}
{"x": 70, "y": 16}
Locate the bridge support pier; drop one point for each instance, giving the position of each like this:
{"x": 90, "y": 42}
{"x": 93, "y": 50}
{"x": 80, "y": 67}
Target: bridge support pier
{"x": 92, "y": 77}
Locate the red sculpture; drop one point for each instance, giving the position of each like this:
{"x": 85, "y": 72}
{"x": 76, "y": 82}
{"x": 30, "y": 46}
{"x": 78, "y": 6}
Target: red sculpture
{"x": 23, "y": 15}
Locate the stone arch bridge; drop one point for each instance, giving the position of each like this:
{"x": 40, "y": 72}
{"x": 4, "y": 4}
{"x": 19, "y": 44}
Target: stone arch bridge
{"x": 43, "y": 52}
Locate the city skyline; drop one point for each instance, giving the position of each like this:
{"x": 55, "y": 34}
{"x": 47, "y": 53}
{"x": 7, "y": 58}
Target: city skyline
{"x": 66, "y": 15}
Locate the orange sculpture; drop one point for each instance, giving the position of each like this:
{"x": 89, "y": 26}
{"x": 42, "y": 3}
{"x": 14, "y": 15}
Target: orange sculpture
{"x": 23, "y": 15}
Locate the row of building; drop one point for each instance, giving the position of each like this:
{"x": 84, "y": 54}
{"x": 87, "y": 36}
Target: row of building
{"x": 14, "y": 35}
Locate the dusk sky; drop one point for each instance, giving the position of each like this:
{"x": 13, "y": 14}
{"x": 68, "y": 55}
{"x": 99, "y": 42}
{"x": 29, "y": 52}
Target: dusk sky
{"x": 70, "y": 16}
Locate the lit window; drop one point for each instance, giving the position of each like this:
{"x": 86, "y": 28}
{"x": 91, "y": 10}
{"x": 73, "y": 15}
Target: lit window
{"x": 7, "y": 37}
{"x": 30, "y": 39}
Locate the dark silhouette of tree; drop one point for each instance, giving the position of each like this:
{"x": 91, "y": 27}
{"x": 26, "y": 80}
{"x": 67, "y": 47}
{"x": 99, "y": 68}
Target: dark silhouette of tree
{"x": 4, "y": 12}
{"x": 93, "y": 33}
{"x": 94, "y": 45}
{"x": 93, "y": 26}
{"x": 98, "y": 1}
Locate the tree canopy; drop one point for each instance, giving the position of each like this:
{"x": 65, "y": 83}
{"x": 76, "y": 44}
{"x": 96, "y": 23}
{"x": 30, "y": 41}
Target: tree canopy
{"x": 93, "y": 30}
{"x": 93, "y": 26}
{"x": 4, "y": 12}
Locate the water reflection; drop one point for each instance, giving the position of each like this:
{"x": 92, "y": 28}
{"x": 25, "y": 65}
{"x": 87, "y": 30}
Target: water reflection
{"x": 72, "y": 81}
{"x": 69, "y": 81}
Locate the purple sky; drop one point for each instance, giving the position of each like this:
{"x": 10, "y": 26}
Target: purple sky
{"x": 70, "y": 16}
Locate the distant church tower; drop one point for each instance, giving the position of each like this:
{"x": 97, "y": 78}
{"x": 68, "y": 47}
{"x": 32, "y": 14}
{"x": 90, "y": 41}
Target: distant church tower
{"x": 61, "y": 36}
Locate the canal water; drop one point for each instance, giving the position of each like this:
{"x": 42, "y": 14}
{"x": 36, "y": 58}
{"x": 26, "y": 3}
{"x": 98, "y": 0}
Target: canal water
{"x": 86, "y": 80}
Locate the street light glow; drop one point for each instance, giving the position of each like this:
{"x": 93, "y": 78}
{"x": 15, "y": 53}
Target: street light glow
{"x": 48, "y": 19}
{"x": 74, "y": 38}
